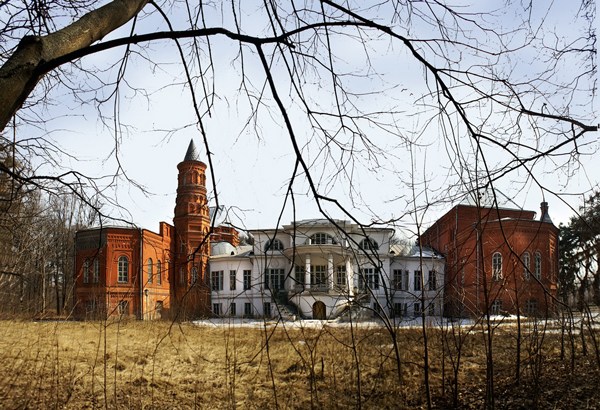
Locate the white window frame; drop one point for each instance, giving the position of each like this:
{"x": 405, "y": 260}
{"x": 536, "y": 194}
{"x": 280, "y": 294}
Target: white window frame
{"x": 497, "y": 266}
{"x": 150, "y": 269}
{"x": 537, "y": 261}
{"x": 526, "y": 265}
{"x": 123, "y": 269}
{"x": 232, "y": 279}
{"x": 216, "y": 280}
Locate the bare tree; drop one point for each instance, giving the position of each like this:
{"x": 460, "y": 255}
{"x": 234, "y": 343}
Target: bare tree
{"x": 355, "y": 86}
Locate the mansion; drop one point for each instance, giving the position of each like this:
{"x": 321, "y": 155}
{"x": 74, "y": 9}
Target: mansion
{"x": 467, "y": 263}
{"x": 325, "y": 269}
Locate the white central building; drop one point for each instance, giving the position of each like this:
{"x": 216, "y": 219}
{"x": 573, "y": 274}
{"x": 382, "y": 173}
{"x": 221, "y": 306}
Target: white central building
{"x": 321, "y": 269}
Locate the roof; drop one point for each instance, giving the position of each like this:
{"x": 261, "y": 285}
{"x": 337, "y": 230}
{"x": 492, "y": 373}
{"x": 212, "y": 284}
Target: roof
{"x": 404, "y": 250}
{"x": 226, "y": 250}
{"x": 487, "y": 199}
{"x": 192, "y": 153}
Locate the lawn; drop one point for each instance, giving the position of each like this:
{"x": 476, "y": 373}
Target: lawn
{"x": 132, "y": 364}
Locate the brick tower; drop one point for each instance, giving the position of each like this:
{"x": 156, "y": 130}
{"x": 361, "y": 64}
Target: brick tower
{"x": 190, "y": 285}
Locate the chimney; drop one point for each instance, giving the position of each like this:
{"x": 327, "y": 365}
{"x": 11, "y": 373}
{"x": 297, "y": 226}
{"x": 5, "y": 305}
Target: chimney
{"x": 545, "y": 216}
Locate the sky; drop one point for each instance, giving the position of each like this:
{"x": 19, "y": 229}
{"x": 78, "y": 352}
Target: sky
{"x": 404, "y": 156}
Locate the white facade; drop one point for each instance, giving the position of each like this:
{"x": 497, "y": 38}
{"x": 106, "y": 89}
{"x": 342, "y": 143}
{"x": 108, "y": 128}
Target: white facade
{"x": 323, "y": 270}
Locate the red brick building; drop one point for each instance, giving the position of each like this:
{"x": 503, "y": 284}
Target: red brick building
{"x": 498, "y": 260}
{"x": 136, "y": 272}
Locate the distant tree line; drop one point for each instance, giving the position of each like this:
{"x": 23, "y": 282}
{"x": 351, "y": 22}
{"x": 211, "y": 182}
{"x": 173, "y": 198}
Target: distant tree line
{"x": 579, "y": 255}
{"x": 37, "y": 229}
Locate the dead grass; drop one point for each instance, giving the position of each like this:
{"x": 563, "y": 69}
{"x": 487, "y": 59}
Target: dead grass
{"x": 159, "y": 365}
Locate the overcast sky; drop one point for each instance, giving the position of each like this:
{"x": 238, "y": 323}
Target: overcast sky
{"x": 253, "y": 156}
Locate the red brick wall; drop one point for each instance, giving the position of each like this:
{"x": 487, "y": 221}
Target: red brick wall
{"x": 469, "y": 237}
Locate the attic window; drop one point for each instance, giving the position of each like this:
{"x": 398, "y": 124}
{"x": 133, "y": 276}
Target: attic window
{"x": 321, "y": 238}
{"x": 274, "y": 245}
{"x": 368, "y": 244}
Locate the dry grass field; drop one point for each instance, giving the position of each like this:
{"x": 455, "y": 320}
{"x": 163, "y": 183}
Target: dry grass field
{"x": 157, "y": 365}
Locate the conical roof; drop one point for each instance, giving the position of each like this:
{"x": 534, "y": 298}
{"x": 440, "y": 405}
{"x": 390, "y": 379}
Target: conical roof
{"x": 192, "y": 153}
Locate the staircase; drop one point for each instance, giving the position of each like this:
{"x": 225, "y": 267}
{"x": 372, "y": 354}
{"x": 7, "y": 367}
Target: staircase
{"x": 286, "y": 309}
{"x": 357, "y": 309}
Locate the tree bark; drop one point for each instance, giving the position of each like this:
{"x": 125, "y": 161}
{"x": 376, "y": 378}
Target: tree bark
{"x": 23, "y": 70}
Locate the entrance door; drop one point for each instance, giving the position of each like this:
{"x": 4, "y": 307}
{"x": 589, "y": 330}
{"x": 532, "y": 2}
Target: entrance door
{"x": 318, "y": 311}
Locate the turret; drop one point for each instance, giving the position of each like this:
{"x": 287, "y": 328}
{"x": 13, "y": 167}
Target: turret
{"x": 545, "y": 216}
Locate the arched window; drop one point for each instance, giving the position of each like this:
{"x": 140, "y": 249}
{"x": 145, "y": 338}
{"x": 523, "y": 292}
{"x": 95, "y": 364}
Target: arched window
{"x": 96, "y": 277}
{"x": 538, "y": 265}
{"x": 321, "y": 238}
{"x": 274, "y": 245}
{"x": 123, "y": 269}
{"x": 150, "y": 268}
{"x": 158, "y": 273}
{"x": 86, "y": 271}
{"x": 526, "y": 265}
{"x": 497, "y": 266}
{"x": 368, "y": 244}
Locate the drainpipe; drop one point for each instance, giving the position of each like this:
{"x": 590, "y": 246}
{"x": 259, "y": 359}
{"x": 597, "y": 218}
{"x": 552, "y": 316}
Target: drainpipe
{"x": 141, "y": 275}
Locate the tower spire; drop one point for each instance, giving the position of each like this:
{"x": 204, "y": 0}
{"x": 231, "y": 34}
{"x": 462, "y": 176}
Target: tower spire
{"x": 192, "y": 153}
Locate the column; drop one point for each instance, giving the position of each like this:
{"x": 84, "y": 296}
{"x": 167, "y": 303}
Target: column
{"x": 307, "y": 272}
{"x": 349, "y": 276}
{"x": 330, "y": 271}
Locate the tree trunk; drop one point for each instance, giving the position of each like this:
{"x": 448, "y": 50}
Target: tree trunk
{"x": 35, "y": 55}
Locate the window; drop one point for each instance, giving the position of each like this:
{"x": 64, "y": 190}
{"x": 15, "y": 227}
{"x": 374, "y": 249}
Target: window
{"x": 158, "y": 273}
{"x": 274, "y": 279}
{"x": 123, "y": 307}
{"x": 322, "y": 239}
{"x": 247, "y": 279}
{"x": 496, "y": 307}
{"x": 248, "y": 309}
{"x": 340, "y": 276}
{"x": 91, "y": 307}
{"x": 232, "y": 309}
{"x": 397, "y": 312}
{"x": 370, "y": 277}
{"x": 497, "y": 266}
{"x": 216, "y": 280}
{"x": 432, "y": 280}
{"x": 376, "y": 307}
{"x": 96, "y": 274}
{"x": 417, "y": 309}
{"x": 397, "y": 279}
{"x": 299, "y": 272}
{"x": 274, "y": 245}
{"x": 431, "y": 309}
{"x": 182, "y": 275}
{"x": 531, "y": 307}
{"x": 418, "y": 280}
{"x": 158, "y": 307}
{"x": 232, "y": 279}
{"x": 123, "y": 270}
{"x": 526, "y": 261}
{"x": 86, "y": 271}
{"x": 267, "y": 309}
{"x": 195, "y": 275}
{"x": 150, "y": 268}
{"x": 368, "y": 244}
{"x": 217, "y": 309}
{"x": 318, "y": 276}
{"x": 538, "y": 265}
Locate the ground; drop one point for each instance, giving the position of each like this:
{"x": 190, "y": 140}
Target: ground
{"x": 224, "y": 364}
